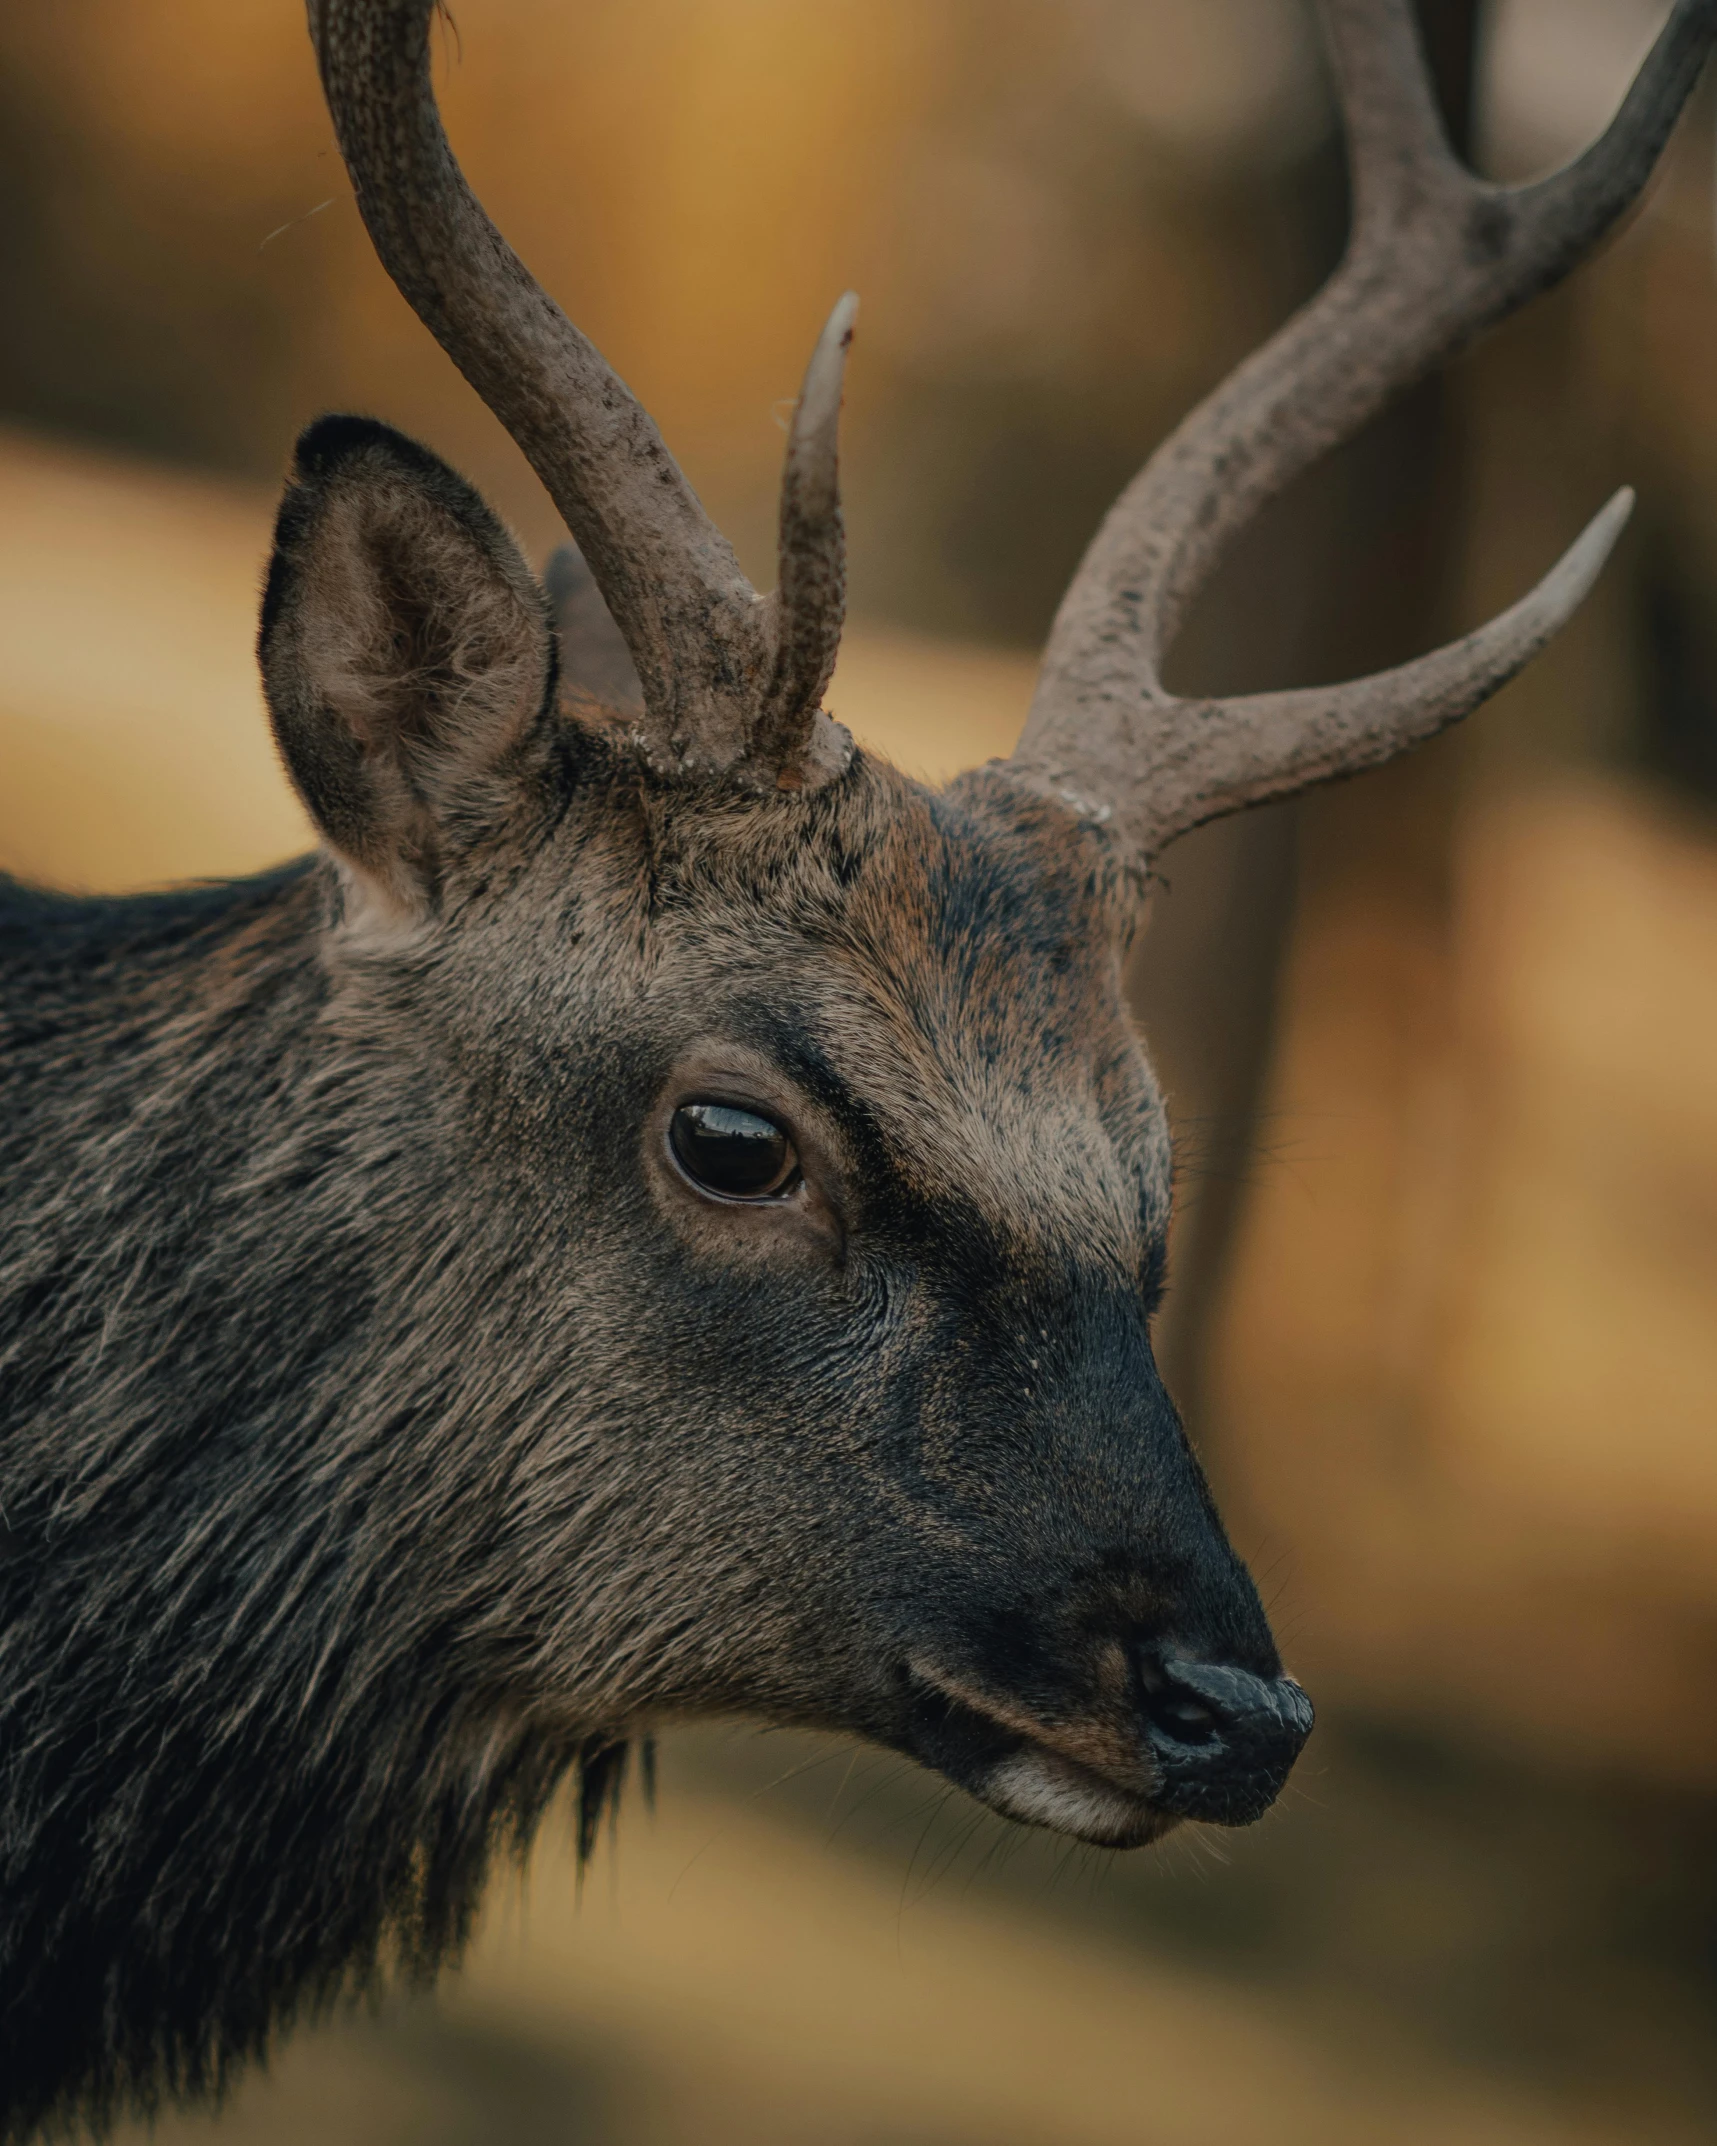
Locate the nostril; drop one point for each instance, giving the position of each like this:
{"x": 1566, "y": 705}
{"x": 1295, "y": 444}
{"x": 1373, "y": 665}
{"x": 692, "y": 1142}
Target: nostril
{"x": 1223, "y": 1737}
{"x": 1186, "y": 1719}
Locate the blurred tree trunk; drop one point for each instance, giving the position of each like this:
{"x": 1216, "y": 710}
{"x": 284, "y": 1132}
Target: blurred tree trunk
{"x": 1365, "y": 553}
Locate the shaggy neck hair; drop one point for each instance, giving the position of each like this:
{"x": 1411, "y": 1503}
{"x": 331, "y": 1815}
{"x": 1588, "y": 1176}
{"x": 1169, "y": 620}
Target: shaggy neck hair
{"x": 241, "y": 1767}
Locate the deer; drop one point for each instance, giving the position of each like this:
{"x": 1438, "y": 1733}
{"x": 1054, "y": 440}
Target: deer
{"x": 661, "y": 1214}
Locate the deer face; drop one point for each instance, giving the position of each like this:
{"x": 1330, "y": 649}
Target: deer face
{"x": 940, "y": 1313}
{"x": 783, "y": 1124}
{"x": 807, "y": 1177}
{"x": 686, "y": 1202}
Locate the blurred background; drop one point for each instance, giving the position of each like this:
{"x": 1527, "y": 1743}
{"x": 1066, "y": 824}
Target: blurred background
{"x": 1441, "y": 1043}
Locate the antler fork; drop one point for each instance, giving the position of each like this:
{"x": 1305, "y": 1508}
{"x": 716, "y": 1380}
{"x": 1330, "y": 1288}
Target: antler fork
{"x": 732, "y": 681}
{"x": 1436, "y": 256}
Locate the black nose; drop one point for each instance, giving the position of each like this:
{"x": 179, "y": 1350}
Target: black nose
{"x": 1222, "y": 1739}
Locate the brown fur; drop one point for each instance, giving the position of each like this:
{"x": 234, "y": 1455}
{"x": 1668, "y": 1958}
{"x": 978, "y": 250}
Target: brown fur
{"x": 389, "y": 1426}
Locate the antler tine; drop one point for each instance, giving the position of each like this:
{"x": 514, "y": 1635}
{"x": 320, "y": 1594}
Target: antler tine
{"x": 1224, "y": 765}
{"x": 1436, "y": 256}
{"x": 809, "y": 603}
{"x": 703, "y": 643}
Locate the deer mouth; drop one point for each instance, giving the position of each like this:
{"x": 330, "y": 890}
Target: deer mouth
{"x": 1020, "y": 1767}
{"x": 1038, "y": 1787}
{"x": 1202, "y": 1739}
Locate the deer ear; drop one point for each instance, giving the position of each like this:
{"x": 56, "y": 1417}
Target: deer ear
{"x": 407, "y": 658}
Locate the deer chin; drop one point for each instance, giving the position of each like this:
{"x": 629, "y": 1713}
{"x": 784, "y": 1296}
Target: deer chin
{"x": 996, "y": 1756}
{"x": 1037, "y": 1787}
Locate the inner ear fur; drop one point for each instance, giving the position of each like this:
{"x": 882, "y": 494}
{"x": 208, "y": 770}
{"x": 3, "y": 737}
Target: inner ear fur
{"x": 407, "y": 658}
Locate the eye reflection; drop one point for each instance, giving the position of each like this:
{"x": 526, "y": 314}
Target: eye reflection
{"x": 732, "y": 1152}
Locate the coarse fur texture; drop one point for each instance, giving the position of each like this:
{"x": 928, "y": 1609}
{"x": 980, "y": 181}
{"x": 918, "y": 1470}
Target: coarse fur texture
{"x": 391, "y": 1423}
{"x": 387, "y": 1427}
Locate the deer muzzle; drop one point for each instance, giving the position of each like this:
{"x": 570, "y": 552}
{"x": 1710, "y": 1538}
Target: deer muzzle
{"x": 1205, "y": 1740}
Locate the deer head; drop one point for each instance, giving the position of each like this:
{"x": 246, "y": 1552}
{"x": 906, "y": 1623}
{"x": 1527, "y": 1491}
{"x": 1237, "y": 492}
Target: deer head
{"x": 664, "y": 1216}
{"x": 800, "y": 1191}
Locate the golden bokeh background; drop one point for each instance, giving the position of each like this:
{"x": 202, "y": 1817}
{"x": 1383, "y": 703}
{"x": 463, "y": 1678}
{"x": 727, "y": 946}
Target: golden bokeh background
{"x": 1441, "y": 1043}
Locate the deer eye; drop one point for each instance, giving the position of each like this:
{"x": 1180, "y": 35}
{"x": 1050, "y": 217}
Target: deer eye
{"x": 731, "y": 1152}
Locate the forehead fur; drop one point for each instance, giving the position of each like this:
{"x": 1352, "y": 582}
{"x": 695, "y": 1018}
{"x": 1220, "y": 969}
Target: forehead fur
{"x": 952, "y": 961}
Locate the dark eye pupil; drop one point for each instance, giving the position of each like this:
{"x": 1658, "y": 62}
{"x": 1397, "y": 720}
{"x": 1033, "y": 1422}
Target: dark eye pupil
{"x": 731, "y": 1151}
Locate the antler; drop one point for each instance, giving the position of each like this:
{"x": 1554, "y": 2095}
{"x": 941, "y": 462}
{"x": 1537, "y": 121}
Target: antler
{"x": 1436, "y": 256}
{"x": 731, "y": 682}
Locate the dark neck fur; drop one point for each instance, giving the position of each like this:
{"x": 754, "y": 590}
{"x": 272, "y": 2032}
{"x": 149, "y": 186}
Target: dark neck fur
{"x": 203, "y": 1665}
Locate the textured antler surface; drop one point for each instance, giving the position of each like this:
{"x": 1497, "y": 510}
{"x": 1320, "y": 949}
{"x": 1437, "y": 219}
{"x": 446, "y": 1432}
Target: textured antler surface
{"x": 727, "y": 678}
{"x": 1436, "y": 256}
{"x": 810, "y": 601}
